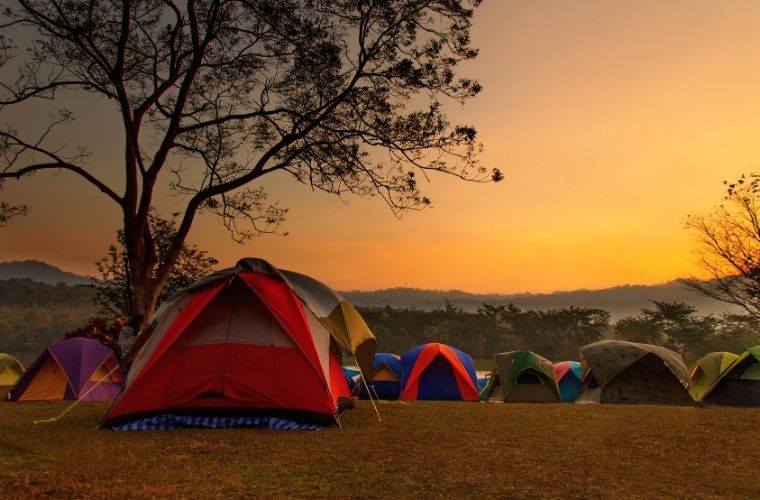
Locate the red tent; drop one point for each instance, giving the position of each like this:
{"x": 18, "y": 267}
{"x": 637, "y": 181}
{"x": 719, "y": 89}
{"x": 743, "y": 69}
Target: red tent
{"x": 240, "y": 342}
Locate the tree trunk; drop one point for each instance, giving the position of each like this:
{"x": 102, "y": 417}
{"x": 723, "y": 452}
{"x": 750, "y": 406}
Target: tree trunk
{"x": 147, "y": 276}
{"x": 143, "y": 288}
{"x": 144, "y": 297}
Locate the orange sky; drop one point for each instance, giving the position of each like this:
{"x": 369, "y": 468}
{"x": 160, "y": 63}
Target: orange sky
{"x": 612, "y": 120}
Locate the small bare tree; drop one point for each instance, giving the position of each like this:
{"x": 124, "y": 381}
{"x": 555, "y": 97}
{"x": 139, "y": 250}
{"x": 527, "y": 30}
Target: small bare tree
{"x": 344, "y": 95}
{"x": 729, "y": 251}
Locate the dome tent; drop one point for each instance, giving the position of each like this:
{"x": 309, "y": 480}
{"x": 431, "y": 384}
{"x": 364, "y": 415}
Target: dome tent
{"x": 438, "y": 372}
{"x": 353, "y": 375}
{"x": 568, "y": 375}
{"x": 740, "y": 383}
{"x": 483, "y": 381}
{"x": 521, "y": 376}
{"x": 617, "y": 371}
{"x": 707, "y": 369}
{"x": 71, "y": 369}
{"x": 243, "y": 346}
{"x": 11, "y": 369}
{"x": 385, "y": 382}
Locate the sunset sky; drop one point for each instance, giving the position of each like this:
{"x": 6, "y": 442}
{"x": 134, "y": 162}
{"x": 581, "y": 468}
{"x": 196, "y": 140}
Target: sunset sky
{"x": 612, "y": 120}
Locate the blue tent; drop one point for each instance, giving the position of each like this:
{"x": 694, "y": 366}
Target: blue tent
{"x": 568, "y": 375}
{"x": 483, "y": 382}
{"x": 352, "y": 376}
{"x": 386, "y": 377}
{"x": 438, "y": 371}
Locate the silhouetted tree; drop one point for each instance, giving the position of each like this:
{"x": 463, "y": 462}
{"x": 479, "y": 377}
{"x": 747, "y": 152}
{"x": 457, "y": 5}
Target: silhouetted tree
{"x": 8, "y": 211}
{"x": 493, "y": 312}
{"x": 576, "y": 326}
{"x": 729, "y": 251}
{"x": 104, "y": 330}
{"x": 681, "y": 328}
{"x": 672, "y": 324}
{"x": 493, "y": 330}
{"x": 344, "y": 96}
{"x": 113, "y": 285}
{"x": 734, "y": 333}
{"x": 637, "y": 329}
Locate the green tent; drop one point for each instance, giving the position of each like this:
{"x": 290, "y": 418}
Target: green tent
{"x": 740, "y": 383}
{"x": 617, "y": 371}
{"x": 11, "y": 369}
{"x": 521, "y": 377}
{"x": 707, "y": 369}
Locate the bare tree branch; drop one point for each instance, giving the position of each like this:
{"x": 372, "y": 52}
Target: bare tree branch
{"x": 345, "y": 96}
{"x": 729, "y": 247}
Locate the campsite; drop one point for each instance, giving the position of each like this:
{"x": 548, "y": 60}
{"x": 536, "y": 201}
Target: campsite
{"x": 236, "y": 388}
{"x": 379, "y": 249}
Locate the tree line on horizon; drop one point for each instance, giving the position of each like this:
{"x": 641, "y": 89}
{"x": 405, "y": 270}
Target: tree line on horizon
{"x": 35, "y": 315}
{"x": 557, "y": 334}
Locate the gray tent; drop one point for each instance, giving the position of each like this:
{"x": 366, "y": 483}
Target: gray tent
{"x": 617, "y": 371}
{"x": 521, "y": 377}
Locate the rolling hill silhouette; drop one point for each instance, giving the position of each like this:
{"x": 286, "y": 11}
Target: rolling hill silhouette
{"x": 620, "y": 301}
{"x": 39, "y": 271}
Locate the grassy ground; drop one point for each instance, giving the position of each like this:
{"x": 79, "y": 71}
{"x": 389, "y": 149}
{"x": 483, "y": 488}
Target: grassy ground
{"x": 430, "y": 449}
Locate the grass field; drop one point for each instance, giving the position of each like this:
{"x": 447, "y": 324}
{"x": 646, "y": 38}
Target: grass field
{"x": 428, "y": 449}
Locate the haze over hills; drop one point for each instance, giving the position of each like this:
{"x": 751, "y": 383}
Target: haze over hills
{"x": 621, "y": 301}
{"x": 39, "y": 271}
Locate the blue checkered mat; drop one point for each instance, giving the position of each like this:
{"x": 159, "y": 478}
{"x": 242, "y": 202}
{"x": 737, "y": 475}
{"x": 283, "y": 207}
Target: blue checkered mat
{"x": 167, "y": 421}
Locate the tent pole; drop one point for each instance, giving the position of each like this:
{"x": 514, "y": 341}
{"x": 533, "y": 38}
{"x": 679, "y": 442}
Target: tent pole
{"x": 79, "y": 399}
{"x": 369, "y": 393}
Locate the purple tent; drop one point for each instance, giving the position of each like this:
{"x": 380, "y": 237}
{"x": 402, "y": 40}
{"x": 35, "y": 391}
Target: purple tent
{"x": 76, "y": 368}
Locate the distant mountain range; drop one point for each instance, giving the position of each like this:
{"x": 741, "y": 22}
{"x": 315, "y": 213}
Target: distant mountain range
{"x": 41, "y": 272}
{"x": 621, "y": 301}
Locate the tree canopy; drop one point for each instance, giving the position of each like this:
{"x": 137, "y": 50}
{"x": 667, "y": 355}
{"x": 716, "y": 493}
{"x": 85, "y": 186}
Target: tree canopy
{"x": 34, "y": 315}
{"x": 9, "y": 211}
{"x": 112, "y": 287}
{"x": 345, "y": 96}
{"x": 729, "y": 246}
{"x": 671, "y": 324}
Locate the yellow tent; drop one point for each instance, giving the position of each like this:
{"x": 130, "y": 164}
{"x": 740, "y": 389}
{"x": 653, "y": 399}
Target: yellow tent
{"x": 707, "y": 369}
{"x": 11, "y": 369}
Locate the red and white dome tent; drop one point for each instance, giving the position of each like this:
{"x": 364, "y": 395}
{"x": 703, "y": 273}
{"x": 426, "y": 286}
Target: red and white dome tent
{"x": 249, "y": 345}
